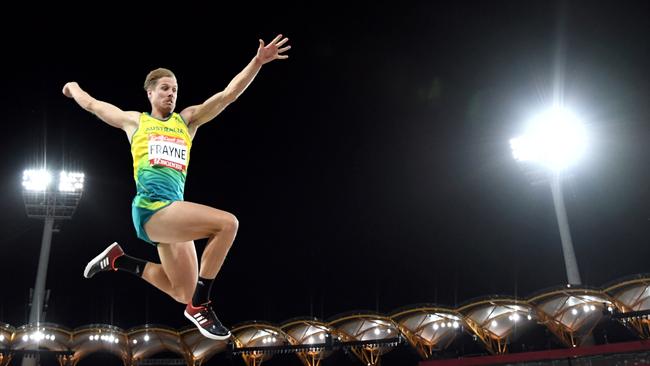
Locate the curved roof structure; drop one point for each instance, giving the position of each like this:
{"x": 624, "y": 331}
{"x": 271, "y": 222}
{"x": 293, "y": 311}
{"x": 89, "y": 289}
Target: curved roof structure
{"x": 633, "y": 295}
{"x": 199, "y": 348}
{"x": 47, "y": 336}
{"x": 571, "y": 314}
{"x": 366, "y": 327}
{"x": 429, "y": 328}
{"x": 307, "y": 332}
{"x": 259, "y": 336}
{"x": 147, "y": 340}
{"x": 100, "y": 337}
{"x": 6, "y": 336}
{"x": 494, "y": 320}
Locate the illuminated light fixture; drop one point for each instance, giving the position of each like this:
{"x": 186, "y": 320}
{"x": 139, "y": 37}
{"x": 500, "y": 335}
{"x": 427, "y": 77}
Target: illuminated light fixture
{"x": 555, "y": 138}
{"x": 39, "y": 180}
{"x": 70, "y": 182}
{"x": 36, "y": 180}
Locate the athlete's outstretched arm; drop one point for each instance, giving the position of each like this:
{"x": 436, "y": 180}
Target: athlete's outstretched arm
{"x": 200, "y": 114}
{"x": 112, "y": 115}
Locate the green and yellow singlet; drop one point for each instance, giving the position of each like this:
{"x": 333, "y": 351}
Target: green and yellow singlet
{"x": 161, "y": 154}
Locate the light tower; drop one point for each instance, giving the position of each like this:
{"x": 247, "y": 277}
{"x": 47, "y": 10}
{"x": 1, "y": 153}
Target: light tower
{"x": 51, "y": 201}
{"x": 555, "y": 139}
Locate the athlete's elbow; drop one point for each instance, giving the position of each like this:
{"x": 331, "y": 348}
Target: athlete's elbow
{"x": 89, "y": 105}
{"x": 229, "y": 95}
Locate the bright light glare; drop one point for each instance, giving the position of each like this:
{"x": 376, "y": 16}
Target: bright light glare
{"x": 36, "y": 180}
{"x": 555, "y": 138}
{"x": 70, "y": 182}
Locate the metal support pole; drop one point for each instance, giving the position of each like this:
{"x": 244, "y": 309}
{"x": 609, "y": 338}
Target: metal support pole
{"x": 36, "y": 310}
{"x": 570, "y": 262}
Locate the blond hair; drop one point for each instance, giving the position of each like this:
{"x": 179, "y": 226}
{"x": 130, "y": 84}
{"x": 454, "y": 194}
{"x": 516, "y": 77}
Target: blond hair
{"x": 155, "y": 75}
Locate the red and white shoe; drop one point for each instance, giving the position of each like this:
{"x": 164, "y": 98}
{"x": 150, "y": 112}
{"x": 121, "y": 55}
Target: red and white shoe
{"x": 105, "y": 261}
{"x": 207, "y": 322}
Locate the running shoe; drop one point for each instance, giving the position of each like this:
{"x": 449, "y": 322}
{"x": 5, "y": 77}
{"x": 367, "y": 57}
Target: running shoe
{"x": 207, "y": 322}
{"x": 105, "y": 261}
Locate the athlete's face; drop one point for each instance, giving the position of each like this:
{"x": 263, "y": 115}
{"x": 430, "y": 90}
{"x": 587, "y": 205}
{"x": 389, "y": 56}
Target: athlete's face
{"x": 163, "y": 95}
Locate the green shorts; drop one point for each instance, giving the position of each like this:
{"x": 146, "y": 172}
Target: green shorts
{"x": 141, "y": 210}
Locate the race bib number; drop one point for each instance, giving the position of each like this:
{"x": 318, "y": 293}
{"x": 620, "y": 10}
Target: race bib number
{"x": 168, "y": 151}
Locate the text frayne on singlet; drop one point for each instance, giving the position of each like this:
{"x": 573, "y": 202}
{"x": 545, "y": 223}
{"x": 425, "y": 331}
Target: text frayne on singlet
{"x": 168, "y": 151}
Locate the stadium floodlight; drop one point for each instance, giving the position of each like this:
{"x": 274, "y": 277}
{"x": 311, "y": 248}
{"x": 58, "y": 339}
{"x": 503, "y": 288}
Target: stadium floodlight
{"x": 556, "y": 139}
{"x": 51, "y": 202}
{"x": 71, "y": 182}
{"x": 36, "y": 180}
{"x": 43, "y": 201}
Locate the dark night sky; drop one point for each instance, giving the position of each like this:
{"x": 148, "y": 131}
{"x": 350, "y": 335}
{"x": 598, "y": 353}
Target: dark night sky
{"x": 371, "y": 170}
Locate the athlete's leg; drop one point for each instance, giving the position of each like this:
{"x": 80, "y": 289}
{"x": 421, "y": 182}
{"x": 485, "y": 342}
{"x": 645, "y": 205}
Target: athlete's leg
{"x": 184, "y": 221}
{"x": 177, "y": 273}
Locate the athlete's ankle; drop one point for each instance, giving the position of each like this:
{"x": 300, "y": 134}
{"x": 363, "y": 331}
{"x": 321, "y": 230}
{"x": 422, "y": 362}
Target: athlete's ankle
{"x": 202, "y": 292}
{"x": 130, "y": 264}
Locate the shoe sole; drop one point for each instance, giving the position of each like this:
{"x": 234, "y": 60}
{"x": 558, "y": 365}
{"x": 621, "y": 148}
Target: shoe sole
{"x": 98, "y": 258}
{"x": 205, "y": 332}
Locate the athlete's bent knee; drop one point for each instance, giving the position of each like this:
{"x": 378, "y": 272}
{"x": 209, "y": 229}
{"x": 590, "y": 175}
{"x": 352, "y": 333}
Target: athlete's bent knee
{"x": 183, "y": 298}
{"x": 229, "y": 224}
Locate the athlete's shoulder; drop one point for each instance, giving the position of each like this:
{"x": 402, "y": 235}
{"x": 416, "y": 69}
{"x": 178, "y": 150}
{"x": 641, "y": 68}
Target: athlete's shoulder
{"x": 179, "y": 118}
{"x": 138, "y": 116}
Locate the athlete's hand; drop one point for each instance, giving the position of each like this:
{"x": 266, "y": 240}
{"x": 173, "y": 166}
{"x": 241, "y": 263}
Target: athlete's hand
{"x": 272, "y": 51}
{"x": 67, "y": 86}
